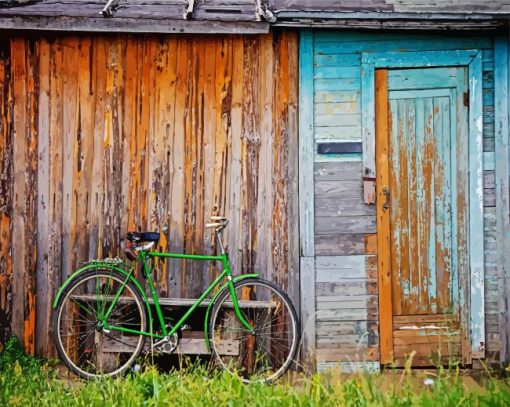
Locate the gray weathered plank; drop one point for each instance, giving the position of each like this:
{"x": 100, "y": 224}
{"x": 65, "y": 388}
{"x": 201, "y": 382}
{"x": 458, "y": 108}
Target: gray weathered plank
{"x": 342, "y": 207}
{"x": 501, "y": 74}
{"x": 344, "y": 244}
{"x": 344, "y": 288}
{"x": 340, "y": 225}
{"x": 308, "y": 312}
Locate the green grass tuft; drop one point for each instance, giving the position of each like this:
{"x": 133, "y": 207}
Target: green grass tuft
{"x": 27, "y": 381}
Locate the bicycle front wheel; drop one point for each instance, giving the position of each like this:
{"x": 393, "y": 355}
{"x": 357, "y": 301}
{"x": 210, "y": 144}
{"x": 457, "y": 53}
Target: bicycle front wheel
{"x": 263, "y": 354}
{"x": 86, "y": 348}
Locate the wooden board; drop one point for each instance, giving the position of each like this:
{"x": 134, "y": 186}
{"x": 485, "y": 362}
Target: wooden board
{"x": 383, "y": 216}
{"x": 186, "y": 346}
{"x": 177, "y": 302}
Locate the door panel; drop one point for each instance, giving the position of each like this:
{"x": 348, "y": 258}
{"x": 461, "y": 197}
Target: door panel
{"x": 420, "y": 140}
{"x": 419, "y": 175}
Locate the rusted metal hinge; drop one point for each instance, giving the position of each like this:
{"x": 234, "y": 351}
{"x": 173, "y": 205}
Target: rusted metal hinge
{"x": 466, "y": 99}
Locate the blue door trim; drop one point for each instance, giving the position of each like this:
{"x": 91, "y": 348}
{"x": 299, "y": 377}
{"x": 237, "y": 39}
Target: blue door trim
{"x": 472, "y": 304}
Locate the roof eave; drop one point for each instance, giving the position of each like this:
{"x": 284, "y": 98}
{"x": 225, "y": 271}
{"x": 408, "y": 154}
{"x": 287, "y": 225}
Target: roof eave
{"x": 385, "y": 15}
{"x": 132, "y": 25}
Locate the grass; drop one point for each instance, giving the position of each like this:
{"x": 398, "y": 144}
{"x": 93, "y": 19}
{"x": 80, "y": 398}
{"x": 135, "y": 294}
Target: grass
{"x": 27, "y": 381}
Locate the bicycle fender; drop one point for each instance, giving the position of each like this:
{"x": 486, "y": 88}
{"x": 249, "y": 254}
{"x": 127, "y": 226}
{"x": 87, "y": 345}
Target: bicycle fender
{"x": 209, "y": 307}
{"x": 103, "y": 265}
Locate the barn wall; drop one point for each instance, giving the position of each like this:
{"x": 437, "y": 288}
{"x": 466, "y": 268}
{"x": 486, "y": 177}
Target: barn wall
{"x": 345, "y": 227}
{"x": 101, "y": 135}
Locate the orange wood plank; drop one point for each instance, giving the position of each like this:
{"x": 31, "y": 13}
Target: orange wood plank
{"x": 411, "y": 274}
{"x": 383, "y": 217}
{"x": 399, "y": 202}
{"x": 6, "y": 193}
{"x": 18, "y": 73}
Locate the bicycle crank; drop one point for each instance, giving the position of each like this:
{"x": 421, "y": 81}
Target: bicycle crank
{"x": 168, "y": 344}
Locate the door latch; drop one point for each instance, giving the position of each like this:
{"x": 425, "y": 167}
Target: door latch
{"x": 386, "y": 192}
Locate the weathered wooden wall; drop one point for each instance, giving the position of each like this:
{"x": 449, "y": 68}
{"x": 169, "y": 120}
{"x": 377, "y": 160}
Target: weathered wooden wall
{"x": 105, "y": 134}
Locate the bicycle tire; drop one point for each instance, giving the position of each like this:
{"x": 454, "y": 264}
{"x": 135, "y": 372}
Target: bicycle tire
{"x": 258, "y": 337}
{"x": 57, "y": 319}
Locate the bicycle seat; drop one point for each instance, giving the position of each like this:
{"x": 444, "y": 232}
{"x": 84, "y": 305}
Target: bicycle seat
{"x": 139, "y": 237}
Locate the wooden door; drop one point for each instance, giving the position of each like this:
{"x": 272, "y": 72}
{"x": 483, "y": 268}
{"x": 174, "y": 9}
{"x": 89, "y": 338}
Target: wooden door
{"x": 419, "y": 212}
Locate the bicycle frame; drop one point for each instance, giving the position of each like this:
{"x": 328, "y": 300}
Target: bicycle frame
{"x": 145, "y": 257}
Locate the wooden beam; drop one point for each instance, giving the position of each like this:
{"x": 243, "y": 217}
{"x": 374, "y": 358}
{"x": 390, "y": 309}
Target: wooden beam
{"x": 383, "y": 217}
{"x": 132, "y": 25}
{"x": 501, "y": 81}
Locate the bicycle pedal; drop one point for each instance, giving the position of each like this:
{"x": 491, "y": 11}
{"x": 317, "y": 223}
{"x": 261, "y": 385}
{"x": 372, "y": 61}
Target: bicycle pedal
{"x": 186, "y": 327}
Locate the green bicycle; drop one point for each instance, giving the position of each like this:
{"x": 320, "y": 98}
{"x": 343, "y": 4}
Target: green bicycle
{"x": 102, "y": 316}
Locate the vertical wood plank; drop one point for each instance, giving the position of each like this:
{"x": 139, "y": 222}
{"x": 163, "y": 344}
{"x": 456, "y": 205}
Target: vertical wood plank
{"x": 69, "y": 131}
{"x": 306, "y": 196}
{"x": 292, "y": 171}
{"x": 266, "y": 84}
{"x": 476, "y": 246}
{"x": 251, "y": 140}
{"x": 501, "y": 80}
{"x": 280, "y": 158}
{"x": 398, "y": 176}
{"x": 234, "y": 241}
{"x": 18, "y": 74}
{"x": 460, "y": 200}
{"x": 98, "y": 85}
{"x": 113, "y": 175}
{"x": 24, "y": 250}
{"x": 30, "y": 199}
{"x": 84, "y": 150}
{"x": 383, "y": 218}
{"x": 368, "y": 119}
{"x": 175, "y": 284}
{"x": 210, "y": 104}
{"x": 223, "y": 92}
{"x": 306, "y": 144}
{"x": 307, "y": 279}
{"x": 44, "y": 279}
{"x": 6, "y": 190}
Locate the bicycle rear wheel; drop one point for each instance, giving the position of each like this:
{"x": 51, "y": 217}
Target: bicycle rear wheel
{"x": 266, "y": 353}
{"x": 87, "y": 349}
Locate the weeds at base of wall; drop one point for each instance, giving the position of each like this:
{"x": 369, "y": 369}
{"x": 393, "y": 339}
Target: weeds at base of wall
{"x": 26, "y": 381}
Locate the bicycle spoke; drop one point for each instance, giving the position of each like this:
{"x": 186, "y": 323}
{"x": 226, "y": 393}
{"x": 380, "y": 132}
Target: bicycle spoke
{"x": 265, "y": 354}
{"x": 89, "y": 310}
{"x": 89, "y": 351}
